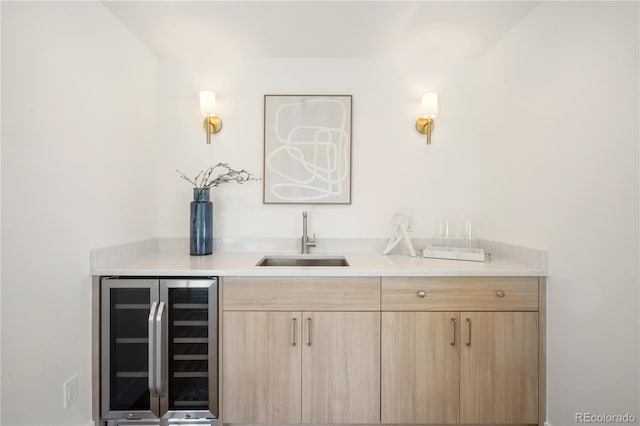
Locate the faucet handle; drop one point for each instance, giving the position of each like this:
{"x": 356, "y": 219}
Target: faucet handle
{"x": 312, "y": 241}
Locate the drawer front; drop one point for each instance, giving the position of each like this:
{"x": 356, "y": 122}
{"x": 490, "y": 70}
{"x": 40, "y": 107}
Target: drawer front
{"x": 301, "y": 293}
{"x": 460, "y": 294}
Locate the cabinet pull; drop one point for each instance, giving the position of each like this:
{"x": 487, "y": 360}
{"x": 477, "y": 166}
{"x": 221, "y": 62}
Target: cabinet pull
{"x": 500, "y": 293}
{"x": 293, "y": 331}
{"x": 453, "y": 329}
{"x": 422, "y": 294}
{"x": 469, "y": 325}
{"x": 309, "y": 331}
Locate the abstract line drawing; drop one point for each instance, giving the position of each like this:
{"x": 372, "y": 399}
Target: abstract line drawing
{"x": 307, "y": 156}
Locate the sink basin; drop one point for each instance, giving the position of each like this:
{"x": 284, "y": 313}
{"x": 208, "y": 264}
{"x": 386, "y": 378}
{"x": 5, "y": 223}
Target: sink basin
{"x": 303, "y": 260}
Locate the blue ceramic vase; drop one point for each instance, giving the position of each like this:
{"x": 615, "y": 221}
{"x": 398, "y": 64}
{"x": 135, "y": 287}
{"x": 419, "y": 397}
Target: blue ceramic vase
{"x": 201, "y": 233}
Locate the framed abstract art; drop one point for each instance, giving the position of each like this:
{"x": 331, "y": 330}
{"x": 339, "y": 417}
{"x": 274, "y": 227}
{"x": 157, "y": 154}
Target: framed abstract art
{"x": 307, "y": 149}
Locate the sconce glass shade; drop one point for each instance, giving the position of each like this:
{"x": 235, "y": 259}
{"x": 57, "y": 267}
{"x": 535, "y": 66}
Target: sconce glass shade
{"x": 425, "y": 123}
{"x": 212, "y": 123}
{"x": 430, "y": 104}
{"x": 207, "y": 102}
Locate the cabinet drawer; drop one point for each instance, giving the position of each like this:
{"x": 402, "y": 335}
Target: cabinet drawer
{"x": 301, "y": 293}
{"x": 460, "y": 294}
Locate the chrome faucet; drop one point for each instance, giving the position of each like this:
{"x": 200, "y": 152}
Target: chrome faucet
{"x": 306, "y": 241}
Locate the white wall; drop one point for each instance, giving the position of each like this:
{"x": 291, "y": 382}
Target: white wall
{"x": 392, "y": 168}
{"x": 560, "y": 137}
{"x": 78, "y": 148}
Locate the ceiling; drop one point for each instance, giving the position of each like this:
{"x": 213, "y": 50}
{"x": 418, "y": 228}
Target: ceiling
{"x": 437, "y": 30}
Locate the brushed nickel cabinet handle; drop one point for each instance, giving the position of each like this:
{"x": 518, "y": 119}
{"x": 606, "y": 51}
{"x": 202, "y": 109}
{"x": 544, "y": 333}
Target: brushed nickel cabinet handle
{"x": 453, "y": 328}
{"x": 421, "y": 293}
{"x": 293, "y": 331}
{"x": 309, "y": 331}
{"x": 469, "y": 325}
{"x": 500, "y": 293}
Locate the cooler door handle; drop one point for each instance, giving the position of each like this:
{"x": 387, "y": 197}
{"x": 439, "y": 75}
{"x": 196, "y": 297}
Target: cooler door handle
{"x": 152, "y": 350}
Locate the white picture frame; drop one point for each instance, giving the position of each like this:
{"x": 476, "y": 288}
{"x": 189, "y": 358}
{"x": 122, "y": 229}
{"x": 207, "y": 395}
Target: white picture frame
{"x": 307, "y": 149}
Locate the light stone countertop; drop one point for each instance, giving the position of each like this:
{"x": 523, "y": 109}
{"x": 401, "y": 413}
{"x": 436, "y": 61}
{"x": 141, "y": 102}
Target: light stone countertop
{"x": 167, "y": 257}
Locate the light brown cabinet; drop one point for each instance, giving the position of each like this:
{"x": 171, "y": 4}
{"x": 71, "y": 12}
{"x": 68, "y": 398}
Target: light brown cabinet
{"x": 262, "y": 367}
{"x": 341, "y": 367}
{"x": 420, "y": 382}
{"x": 460, "y": 367}
{"x": 301, "y": 366}
{"x": 499, "y": 367}
{"x": 405, "y": 350}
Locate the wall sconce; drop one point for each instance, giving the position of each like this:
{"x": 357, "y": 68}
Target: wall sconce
{"x": 425, "y": 123}
{"x": 212, "y": 123}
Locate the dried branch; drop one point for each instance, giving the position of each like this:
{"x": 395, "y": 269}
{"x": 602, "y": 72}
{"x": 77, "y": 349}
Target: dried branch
{"x": 183, "y": 176}
{"x": 206, "y": 179}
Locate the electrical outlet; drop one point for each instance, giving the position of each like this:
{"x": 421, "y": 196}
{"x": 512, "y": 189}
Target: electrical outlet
{"x": 70, "y": 391}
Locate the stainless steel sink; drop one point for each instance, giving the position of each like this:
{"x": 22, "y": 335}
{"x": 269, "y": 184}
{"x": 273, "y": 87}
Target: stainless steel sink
{"x": 303, "y": 260}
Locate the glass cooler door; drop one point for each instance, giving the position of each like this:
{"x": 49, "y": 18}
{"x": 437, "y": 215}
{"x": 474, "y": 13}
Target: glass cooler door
{"x": 192, "y": 363}
{"x": 126, "y": 306}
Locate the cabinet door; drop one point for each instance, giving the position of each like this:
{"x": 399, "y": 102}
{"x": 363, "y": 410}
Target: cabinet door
{"x": 261, "y": 357}
{"x": 341, "y": 367}
{"x": 191, "y": 367}
{"x": 499, "y": 367}
{"x": 420, "y": 367}
{"x": 126, "y": 337}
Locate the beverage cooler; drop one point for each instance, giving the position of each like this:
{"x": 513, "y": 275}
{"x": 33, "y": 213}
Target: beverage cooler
{"x": 159, "y": 352}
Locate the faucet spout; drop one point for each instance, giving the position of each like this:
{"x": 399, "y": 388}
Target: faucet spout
{"x": 306, "y": 241}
